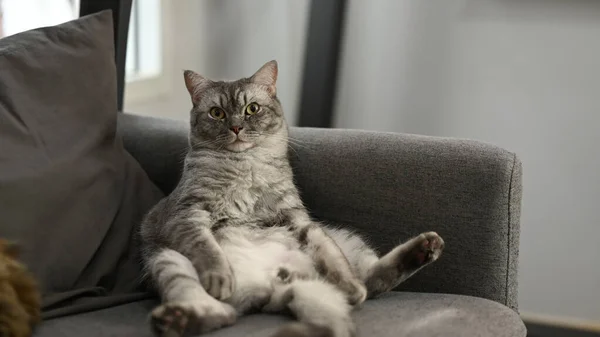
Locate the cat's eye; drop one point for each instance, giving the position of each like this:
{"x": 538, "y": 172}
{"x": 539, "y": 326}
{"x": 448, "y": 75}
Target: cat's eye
{"x": 217, "y": 113}
{"x": 252, "y": 108}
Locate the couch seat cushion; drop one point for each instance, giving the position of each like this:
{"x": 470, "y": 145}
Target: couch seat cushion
{"x": 392, "y": 315}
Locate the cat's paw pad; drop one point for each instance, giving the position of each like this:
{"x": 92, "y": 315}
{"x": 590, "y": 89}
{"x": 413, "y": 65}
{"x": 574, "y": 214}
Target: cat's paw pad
{"x": 219, "y": 285}
{"x": 169, "y": 320}
{"x": 427, "y": 248}
{"x": 179, "y": 319}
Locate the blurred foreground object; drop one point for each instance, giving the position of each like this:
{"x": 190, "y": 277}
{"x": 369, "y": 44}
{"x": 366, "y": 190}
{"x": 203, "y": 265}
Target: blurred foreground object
{"x": 19, "y": 295}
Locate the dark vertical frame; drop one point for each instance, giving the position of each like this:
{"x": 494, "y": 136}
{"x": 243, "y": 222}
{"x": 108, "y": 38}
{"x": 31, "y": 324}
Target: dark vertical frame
{"x": 121, "y": 10}
{"x": 321, "y": 63}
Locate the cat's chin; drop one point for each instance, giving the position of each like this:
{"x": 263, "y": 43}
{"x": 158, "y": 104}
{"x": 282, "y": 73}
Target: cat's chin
{"x": 239, "y": 146}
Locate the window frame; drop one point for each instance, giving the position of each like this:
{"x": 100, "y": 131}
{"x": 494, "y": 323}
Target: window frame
{"x": 139, "y": 89}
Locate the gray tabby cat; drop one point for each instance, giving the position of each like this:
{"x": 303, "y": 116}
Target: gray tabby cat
{"x": 234, "y": 237}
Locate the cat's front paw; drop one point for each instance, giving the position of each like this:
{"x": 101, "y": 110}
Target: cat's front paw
{"x": 178, "y": 319}
{"x": 355, "y": 291}
{"x": 218, "y": 284}
{"x": 426, "y": 249}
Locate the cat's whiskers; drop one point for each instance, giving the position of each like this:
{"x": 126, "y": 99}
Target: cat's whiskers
{"x": 290, "y": 139}
{"x": 207, "y": 143}
{"x": 291, "y": 142}
{"x": 218, "y": 140}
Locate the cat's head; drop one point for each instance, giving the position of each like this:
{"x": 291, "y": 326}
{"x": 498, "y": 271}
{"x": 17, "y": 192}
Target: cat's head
{"x": 238, "y": 115}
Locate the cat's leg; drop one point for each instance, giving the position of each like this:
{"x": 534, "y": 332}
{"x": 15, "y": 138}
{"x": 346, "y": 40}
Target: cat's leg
{"x": 402, "y": 262}
{"x": 193, "y": 238}
{"x": 328, "y": 258}
{"x": 186, "y": 307}
{"x": 383, "y": 274}
{"x": 359, "y": 254}
{"x": 321, "y": 309}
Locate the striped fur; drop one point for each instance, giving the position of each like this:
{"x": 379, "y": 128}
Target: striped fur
{"x": 234, "y": 236}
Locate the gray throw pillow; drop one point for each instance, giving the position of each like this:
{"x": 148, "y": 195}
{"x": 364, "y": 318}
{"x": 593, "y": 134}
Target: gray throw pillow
{"x": 70, "y": 194}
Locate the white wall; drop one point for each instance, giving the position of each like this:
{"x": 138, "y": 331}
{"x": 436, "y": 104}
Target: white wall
{"x": 182, "y": 45}
{"x": 230, "y": 39}
{"x": 522, "y": 74}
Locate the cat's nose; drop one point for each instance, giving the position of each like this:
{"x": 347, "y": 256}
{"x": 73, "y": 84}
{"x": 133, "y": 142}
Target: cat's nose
{"x": 236, "y": 129}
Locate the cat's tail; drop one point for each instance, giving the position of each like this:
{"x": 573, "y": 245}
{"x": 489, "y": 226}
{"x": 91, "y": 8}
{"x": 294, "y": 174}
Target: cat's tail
{"x": 321, "y": 309}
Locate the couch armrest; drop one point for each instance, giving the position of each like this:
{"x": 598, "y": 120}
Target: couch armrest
{"x": 393, "y": 186}
{"x": 390, "y": 187}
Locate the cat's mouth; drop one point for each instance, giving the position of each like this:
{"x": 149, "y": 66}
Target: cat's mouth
{"x": 239, "y": 145}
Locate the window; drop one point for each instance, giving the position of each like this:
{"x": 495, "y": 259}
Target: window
{"x": 145, "y": 73}
{"x": 20, "y": 15}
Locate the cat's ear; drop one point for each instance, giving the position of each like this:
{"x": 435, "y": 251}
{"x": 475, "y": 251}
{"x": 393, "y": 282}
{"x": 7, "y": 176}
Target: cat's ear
{"x": 267, "y": 76}
{"x": 195, "y": 84}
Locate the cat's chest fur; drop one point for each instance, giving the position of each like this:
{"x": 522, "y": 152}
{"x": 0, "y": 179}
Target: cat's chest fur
{"x": 246, "y": 190}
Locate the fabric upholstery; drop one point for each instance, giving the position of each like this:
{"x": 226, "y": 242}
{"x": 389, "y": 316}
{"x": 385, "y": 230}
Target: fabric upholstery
{"x": 158, "y": 145}
{"x": 390, "y": 187}
{"x": 70, "y": 194}
{"x": 393, "y": 315}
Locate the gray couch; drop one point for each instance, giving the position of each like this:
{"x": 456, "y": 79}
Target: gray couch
{"x": 388, "y": 187}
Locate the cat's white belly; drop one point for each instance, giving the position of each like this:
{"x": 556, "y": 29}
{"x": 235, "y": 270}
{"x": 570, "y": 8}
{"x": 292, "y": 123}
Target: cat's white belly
{"x": 256, "y": 259}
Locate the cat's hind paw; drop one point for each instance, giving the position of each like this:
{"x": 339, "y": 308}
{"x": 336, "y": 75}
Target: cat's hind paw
{"x": 426, "y": 248}
{"x": 169, "y": 321}
{"x": 181, "y": 319}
